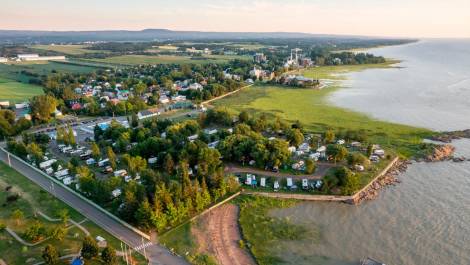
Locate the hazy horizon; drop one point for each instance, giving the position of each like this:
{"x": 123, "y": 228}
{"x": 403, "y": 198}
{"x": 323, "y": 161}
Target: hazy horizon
{"x": 400, "y": 18}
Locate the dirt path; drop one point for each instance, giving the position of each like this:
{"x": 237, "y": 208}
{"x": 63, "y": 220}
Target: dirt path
{"x": 218, "y": 234}
{"x": 320, "y": 172}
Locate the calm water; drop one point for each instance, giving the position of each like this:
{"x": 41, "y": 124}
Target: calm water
{"x": 425, "y": 220}
{"x": 432, "y": 89}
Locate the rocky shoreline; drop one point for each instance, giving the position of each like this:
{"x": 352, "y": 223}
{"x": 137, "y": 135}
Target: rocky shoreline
{"x": 443, "y": 152}
{"x": 390, "y": 178}
{"x": 447, "y": 137}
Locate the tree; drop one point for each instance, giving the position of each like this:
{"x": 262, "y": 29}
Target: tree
{"x": 42, "y": 107}
{"x": 370, "y": 149}
{"x": 111, "y": 156}
{"x": 329, "y": 136}
{"x": 338, "y": 152}
{"x": 169, "y": 164}
{"x": 18, "y": 215}
{"x": 243, "y": 117}
{"x": 134, "y": 120}
{"x": 63, "y": 215}
{"x": 108, "y": 255}
{"x": 295, "y": 137}
{"x": 144, "y": 215}
{"x": 309, "y": 166}
{"x": 140, "y": 88}
{"x": 357, "y": 158}
{"x": 50, "y": 255}
{"x": 95, "y": 151}
{"x": 71, "y": 137}
{"x": 89, "y": 248}
{"x": 35, "y": 152}
{"x": 58, "y": 233}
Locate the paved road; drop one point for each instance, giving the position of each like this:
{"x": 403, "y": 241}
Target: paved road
{"x": 156, "y": 254}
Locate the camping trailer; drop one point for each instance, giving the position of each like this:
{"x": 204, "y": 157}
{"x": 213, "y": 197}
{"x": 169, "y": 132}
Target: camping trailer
{"x": 263, "y": 182}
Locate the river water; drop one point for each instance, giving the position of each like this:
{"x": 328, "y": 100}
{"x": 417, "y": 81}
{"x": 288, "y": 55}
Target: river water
{"x": 425, "y": 220}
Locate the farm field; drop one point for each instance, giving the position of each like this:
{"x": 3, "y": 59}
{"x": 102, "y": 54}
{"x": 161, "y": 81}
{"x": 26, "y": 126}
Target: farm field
{"x": 15, "y": 92}
{"x": 313, "y": 110}
{"x": 67, "y": 49}
{"x": 167, "y": 59}
{"x": 32, "y": 199}
{"x": 17, "y": 71}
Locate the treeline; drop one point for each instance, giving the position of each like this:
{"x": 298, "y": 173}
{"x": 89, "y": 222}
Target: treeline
{"x": 10, "y": 126}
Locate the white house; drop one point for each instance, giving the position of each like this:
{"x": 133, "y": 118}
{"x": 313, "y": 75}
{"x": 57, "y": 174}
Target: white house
{"x": 3, "y": 60}
{"x": 145, "y": 114}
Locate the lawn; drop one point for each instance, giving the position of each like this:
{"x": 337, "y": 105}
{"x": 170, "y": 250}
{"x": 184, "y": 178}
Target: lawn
{"x": 15, "y": 92}
{"x": 33, "y": 198}
{"x": 67, "y": 49}
{"x": 312, "y": 109}
{"x": 167, "y": 59}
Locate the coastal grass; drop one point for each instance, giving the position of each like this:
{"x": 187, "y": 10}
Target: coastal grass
{"x": 33, "y": 198}
{"x": 13, "y": 91}
{"x": 167, "y": 59}
{"x": 180, "y": 240}
{"x": 312, "y": 108}
{"x": 264, "y": 235}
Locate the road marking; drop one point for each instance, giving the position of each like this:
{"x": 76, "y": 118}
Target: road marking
{"x": 143, "y": 246}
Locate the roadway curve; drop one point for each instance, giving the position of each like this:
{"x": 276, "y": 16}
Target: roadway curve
{"x": 155, "y": 253}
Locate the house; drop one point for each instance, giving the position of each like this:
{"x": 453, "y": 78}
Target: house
{"x": 210, "y": 131}
{"x": 292, "y": 149}
{"x": 58, "y": 113}
{"x": 145, "y": 114}
{"x": 196, "y": 86}
{"x": 213, "y": 145}
{"x": 304, "y": 147}
{"x": 22, "y": 105}
{"x": 178, "y": 98}
{"x": 260, "y": 58}
{"x": 5, "y": 104}
{"x": 3, "y": 60}
{"x": 193, "y": 137}
{"x": 116, "y": 193}
{"x": 164, "y": 99}
{"x": 76, "y": 106}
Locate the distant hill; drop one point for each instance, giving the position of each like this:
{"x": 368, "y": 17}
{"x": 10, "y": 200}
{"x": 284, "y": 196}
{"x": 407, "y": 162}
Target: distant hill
{"x": 26, "y": 36}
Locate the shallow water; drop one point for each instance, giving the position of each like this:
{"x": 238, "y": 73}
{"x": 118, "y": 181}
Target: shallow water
{"x": 431, "y": 89}
{"x": 426, "y": 218}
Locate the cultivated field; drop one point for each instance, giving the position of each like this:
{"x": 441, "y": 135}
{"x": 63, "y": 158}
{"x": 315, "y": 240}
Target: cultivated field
{"x": 17, "y": 71}
{"x": 313, "y": 110}
{"x": 15, "y": 92}
{"x": 66, "y": 49}
{"x": 167, "y": 59}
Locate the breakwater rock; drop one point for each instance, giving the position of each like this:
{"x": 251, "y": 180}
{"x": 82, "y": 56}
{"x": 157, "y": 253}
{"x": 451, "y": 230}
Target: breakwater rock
{"x": 388, "y": 179}
{"x": 441, "y": 153}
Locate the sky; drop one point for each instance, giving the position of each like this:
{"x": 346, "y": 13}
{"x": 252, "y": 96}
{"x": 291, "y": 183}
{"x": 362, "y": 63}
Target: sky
{"x": 392, "y": 18}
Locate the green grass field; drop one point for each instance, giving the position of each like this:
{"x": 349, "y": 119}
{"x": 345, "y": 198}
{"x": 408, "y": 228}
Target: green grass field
{"x": 166, "y": 59}
{"x": 33, "y": 198}
{"x": 15, "y": 92}
{"x": 14, "y": 70}
{"x": 313, "y": 110}
{"x": 67, "y": 49}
